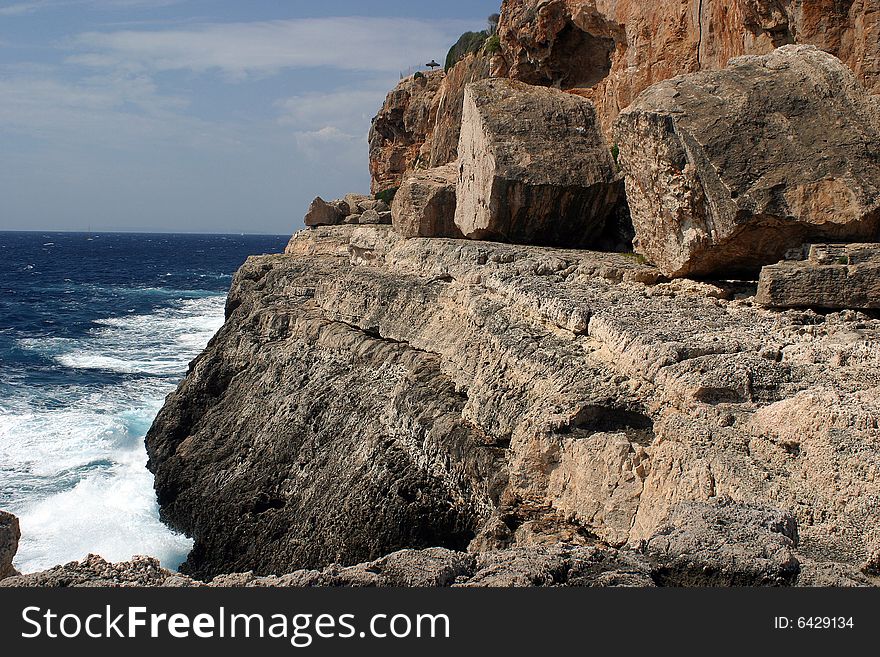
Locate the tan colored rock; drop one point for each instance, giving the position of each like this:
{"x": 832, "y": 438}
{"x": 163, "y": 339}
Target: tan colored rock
{"x": 447, "y": 128}
{"x": 728, "y": 170}
{"x": 534, "y": 167}
{"x": 321, "y": 213}
{"x": 833, "y": 276}
{"x": 424, "y": 206}
{"x": 401, "y": 128}
{"x": 615, "y": 49}
{"x": 9, "y": 537}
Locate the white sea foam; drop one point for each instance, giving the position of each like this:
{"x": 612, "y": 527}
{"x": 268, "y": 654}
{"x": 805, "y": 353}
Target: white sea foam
{"x": 72, "y": 458}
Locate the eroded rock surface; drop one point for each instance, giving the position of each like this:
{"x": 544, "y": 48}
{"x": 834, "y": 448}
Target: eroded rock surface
{"x": 727, "y": 170}
{"x": 418, "y": 126}
{"x": 726, "y": 544}
{"x": 534, "y": 167}
{"x": 439, "y": 393}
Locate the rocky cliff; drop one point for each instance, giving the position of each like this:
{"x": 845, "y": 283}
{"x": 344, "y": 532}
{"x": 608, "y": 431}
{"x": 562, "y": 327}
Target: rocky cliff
{"x": 393, "y": 404}
{"x": 370, "y": 393}
{"x": 418, "y": 125}
{"x": 615, "y": 49}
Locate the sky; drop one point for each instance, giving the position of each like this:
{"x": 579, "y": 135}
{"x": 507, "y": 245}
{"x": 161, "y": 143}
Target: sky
{"x": 216, "y": 116}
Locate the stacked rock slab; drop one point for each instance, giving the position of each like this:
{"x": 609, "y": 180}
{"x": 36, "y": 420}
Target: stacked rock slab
{"x": 533, "y": 166}
{"x": 833, "y": 276}
{"x": 424, "y": 206}
{"x": 726, "y": 171}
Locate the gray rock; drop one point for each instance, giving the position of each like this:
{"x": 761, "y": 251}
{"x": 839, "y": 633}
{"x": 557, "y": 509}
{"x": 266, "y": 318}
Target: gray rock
{"x": 721, "y": 543}
{"x": 322, "y": 214}
{"x": 534, "y": 166}
{"x": 9, "y": 537}
{"x": 370, "y": 217}
{"x": 342, "y": 206}
{"x": 424, "y": 206}
{"x": 833, "y": 276}
{"x": 727, "y": 170}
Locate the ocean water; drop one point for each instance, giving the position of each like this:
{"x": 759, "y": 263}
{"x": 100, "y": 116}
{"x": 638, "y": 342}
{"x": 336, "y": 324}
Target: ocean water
{"x": 95, "y": 331}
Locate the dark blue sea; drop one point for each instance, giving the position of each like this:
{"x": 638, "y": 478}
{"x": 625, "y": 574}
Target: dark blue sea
{"x": 95, "y": 331}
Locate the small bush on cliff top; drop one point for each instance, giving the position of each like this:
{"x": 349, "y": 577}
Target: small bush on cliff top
{"x": 492, "y": 45}
{"x": 467, "y": 43}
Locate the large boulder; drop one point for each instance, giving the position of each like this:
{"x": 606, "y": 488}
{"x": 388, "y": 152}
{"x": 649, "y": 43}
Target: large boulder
{"x": 424, "y": 206}
{"x": 321, "y": 213}
{"x": 9, "y": 536}
{"x": 534, "y": 167}
{"x": 726, "y": 171}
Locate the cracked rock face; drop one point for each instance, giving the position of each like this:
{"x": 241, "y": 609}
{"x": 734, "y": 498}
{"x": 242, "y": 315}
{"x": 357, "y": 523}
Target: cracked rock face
{"x": 370, "y": 393}
{"x": 517, "y": 183}
{"x": 727, "y": 170}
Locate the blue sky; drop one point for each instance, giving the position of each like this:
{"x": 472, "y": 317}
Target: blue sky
{"x": 199, "y": 115}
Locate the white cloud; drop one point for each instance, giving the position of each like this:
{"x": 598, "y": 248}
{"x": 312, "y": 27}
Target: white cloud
{"x": 340, "y": 115}
{"x": 113, "y": 110}
{"x": 21, "y": 8}
{"x": 264, "y": 48}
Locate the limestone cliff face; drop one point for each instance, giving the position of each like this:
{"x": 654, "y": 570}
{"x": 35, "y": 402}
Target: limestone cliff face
{"x": 419, "y": 123}
{"x": 370, "y": 393}
{"x": 618, "y": 48}
{"x": 400, "y": 130}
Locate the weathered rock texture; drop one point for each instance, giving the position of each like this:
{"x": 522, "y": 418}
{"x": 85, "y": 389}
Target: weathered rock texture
{"x": 9, "y": 535}
{"x": 400, "y": 130}
{"x": 727, "y": 170}
{"x": 440, "y": 393}
{"x": 418, "y": 125}
{"x": 424, "y": 206}
{"x": 534, "y": 167}
{"x": 615, "y": 49}
{"x": 725, "y": 544}
{"x": 833, "y": 276}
